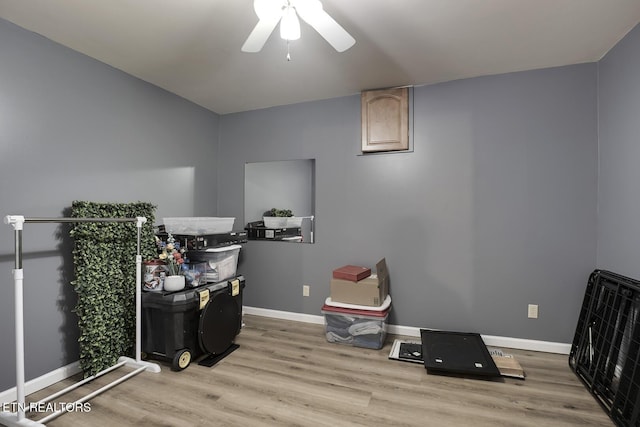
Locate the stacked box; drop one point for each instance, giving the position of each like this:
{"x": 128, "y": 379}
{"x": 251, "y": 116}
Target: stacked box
{"x": 353, "y": 273}
{"x": 370, "y": 290}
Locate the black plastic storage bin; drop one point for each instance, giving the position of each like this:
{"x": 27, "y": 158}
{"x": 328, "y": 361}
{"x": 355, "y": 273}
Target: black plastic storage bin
{"x": 605, "y": 353}
{"x": 184, "y": 325}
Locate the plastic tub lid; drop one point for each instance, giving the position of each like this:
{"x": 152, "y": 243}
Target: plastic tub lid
{"x": 326, "y": 309}
{"x": 385, "y": 305}
{"x": 224, "y": 248}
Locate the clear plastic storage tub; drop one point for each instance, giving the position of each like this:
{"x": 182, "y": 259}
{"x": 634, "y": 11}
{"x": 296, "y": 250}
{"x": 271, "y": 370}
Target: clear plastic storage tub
{"x": 198, "y": 225}
{"x": 221, "y": 263}
{"x": 359, "y": 328}
{"x": 282, "y": 222}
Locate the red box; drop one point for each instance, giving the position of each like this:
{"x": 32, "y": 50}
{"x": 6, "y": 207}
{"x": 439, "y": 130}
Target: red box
{"x": 352, "y": 273}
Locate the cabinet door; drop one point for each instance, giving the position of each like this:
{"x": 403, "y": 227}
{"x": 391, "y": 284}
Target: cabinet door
{"x": 385, "y": 120}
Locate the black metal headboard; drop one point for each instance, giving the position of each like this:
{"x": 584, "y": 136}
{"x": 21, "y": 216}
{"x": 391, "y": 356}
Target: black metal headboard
{"x": 605, "y": 351}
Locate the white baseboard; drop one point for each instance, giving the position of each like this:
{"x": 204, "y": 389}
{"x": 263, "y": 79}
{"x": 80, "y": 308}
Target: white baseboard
{"x": 523, "y": 344}
{"x": 41, "y": 382}
{"x": 496, "y": 341}
{"x": 284, "y": 315}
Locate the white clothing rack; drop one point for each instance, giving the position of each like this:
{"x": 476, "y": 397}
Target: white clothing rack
{"x": 18, "y": 418}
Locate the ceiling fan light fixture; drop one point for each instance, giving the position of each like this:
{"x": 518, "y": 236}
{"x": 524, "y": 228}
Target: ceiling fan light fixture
{"x": 290, "y": 24}
{"x": 288, "y": 13}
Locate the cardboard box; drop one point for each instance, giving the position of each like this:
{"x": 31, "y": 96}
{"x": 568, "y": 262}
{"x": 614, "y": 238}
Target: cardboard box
{"x": 352, "y": 273}
{"x": 370, "y": 291}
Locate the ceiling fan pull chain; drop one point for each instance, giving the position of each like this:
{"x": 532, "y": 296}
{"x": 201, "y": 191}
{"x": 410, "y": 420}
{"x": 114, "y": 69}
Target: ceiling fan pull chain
{"x": 288, "y": 54}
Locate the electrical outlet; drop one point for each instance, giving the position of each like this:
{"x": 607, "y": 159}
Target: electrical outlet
{"x": 532, "y": 311}
{"x": 305, "y": 290}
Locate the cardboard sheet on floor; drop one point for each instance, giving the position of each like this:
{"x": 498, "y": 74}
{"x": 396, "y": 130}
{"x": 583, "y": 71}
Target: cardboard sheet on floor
{"x": 461, "y": 353}
{"x": 506, "y": 363}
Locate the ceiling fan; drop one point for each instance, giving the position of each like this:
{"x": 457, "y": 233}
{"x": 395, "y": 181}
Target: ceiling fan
{"x": 286, "y": 12}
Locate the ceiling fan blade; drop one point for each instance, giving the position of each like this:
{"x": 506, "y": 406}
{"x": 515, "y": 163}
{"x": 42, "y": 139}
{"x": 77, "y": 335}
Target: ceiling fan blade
{"x": 312, "y": 12}
{"x": 260, "y": 34}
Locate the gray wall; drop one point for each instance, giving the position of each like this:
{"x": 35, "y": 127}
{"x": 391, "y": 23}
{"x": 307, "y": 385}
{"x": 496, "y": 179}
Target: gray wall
{"x": 72, "y": 128}
{"x": 619, "y": 159}
{"x": 494, "y": 209}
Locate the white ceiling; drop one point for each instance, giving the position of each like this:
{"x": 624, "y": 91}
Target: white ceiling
{"x": 192, "y": 47}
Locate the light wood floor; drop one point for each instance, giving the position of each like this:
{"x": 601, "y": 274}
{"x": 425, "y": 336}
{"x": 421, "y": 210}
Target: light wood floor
{"x": 286, "y": 374}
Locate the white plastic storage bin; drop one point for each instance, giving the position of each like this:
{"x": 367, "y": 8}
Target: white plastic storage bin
{"x": 282, "y": 221}
{"x": 274, "y": 221}
{"x": 294, "y": 221}
{"x": 198, "y": 225}
{"x": 359, "y": 328}
{"x": 221, "y": 263}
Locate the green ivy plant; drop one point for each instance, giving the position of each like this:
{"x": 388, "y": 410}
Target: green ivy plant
{"x": 278, "y": 212}
{"x": 104, "y": 257}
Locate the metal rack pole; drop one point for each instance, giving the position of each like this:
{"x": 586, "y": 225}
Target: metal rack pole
{"x": 139, "y": 293}
{"x": 18, "y": 276}
{"x": 72, "y": 220}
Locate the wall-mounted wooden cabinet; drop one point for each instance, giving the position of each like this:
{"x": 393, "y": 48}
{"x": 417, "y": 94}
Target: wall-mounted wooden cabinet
{"x": 385, "y": 120}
